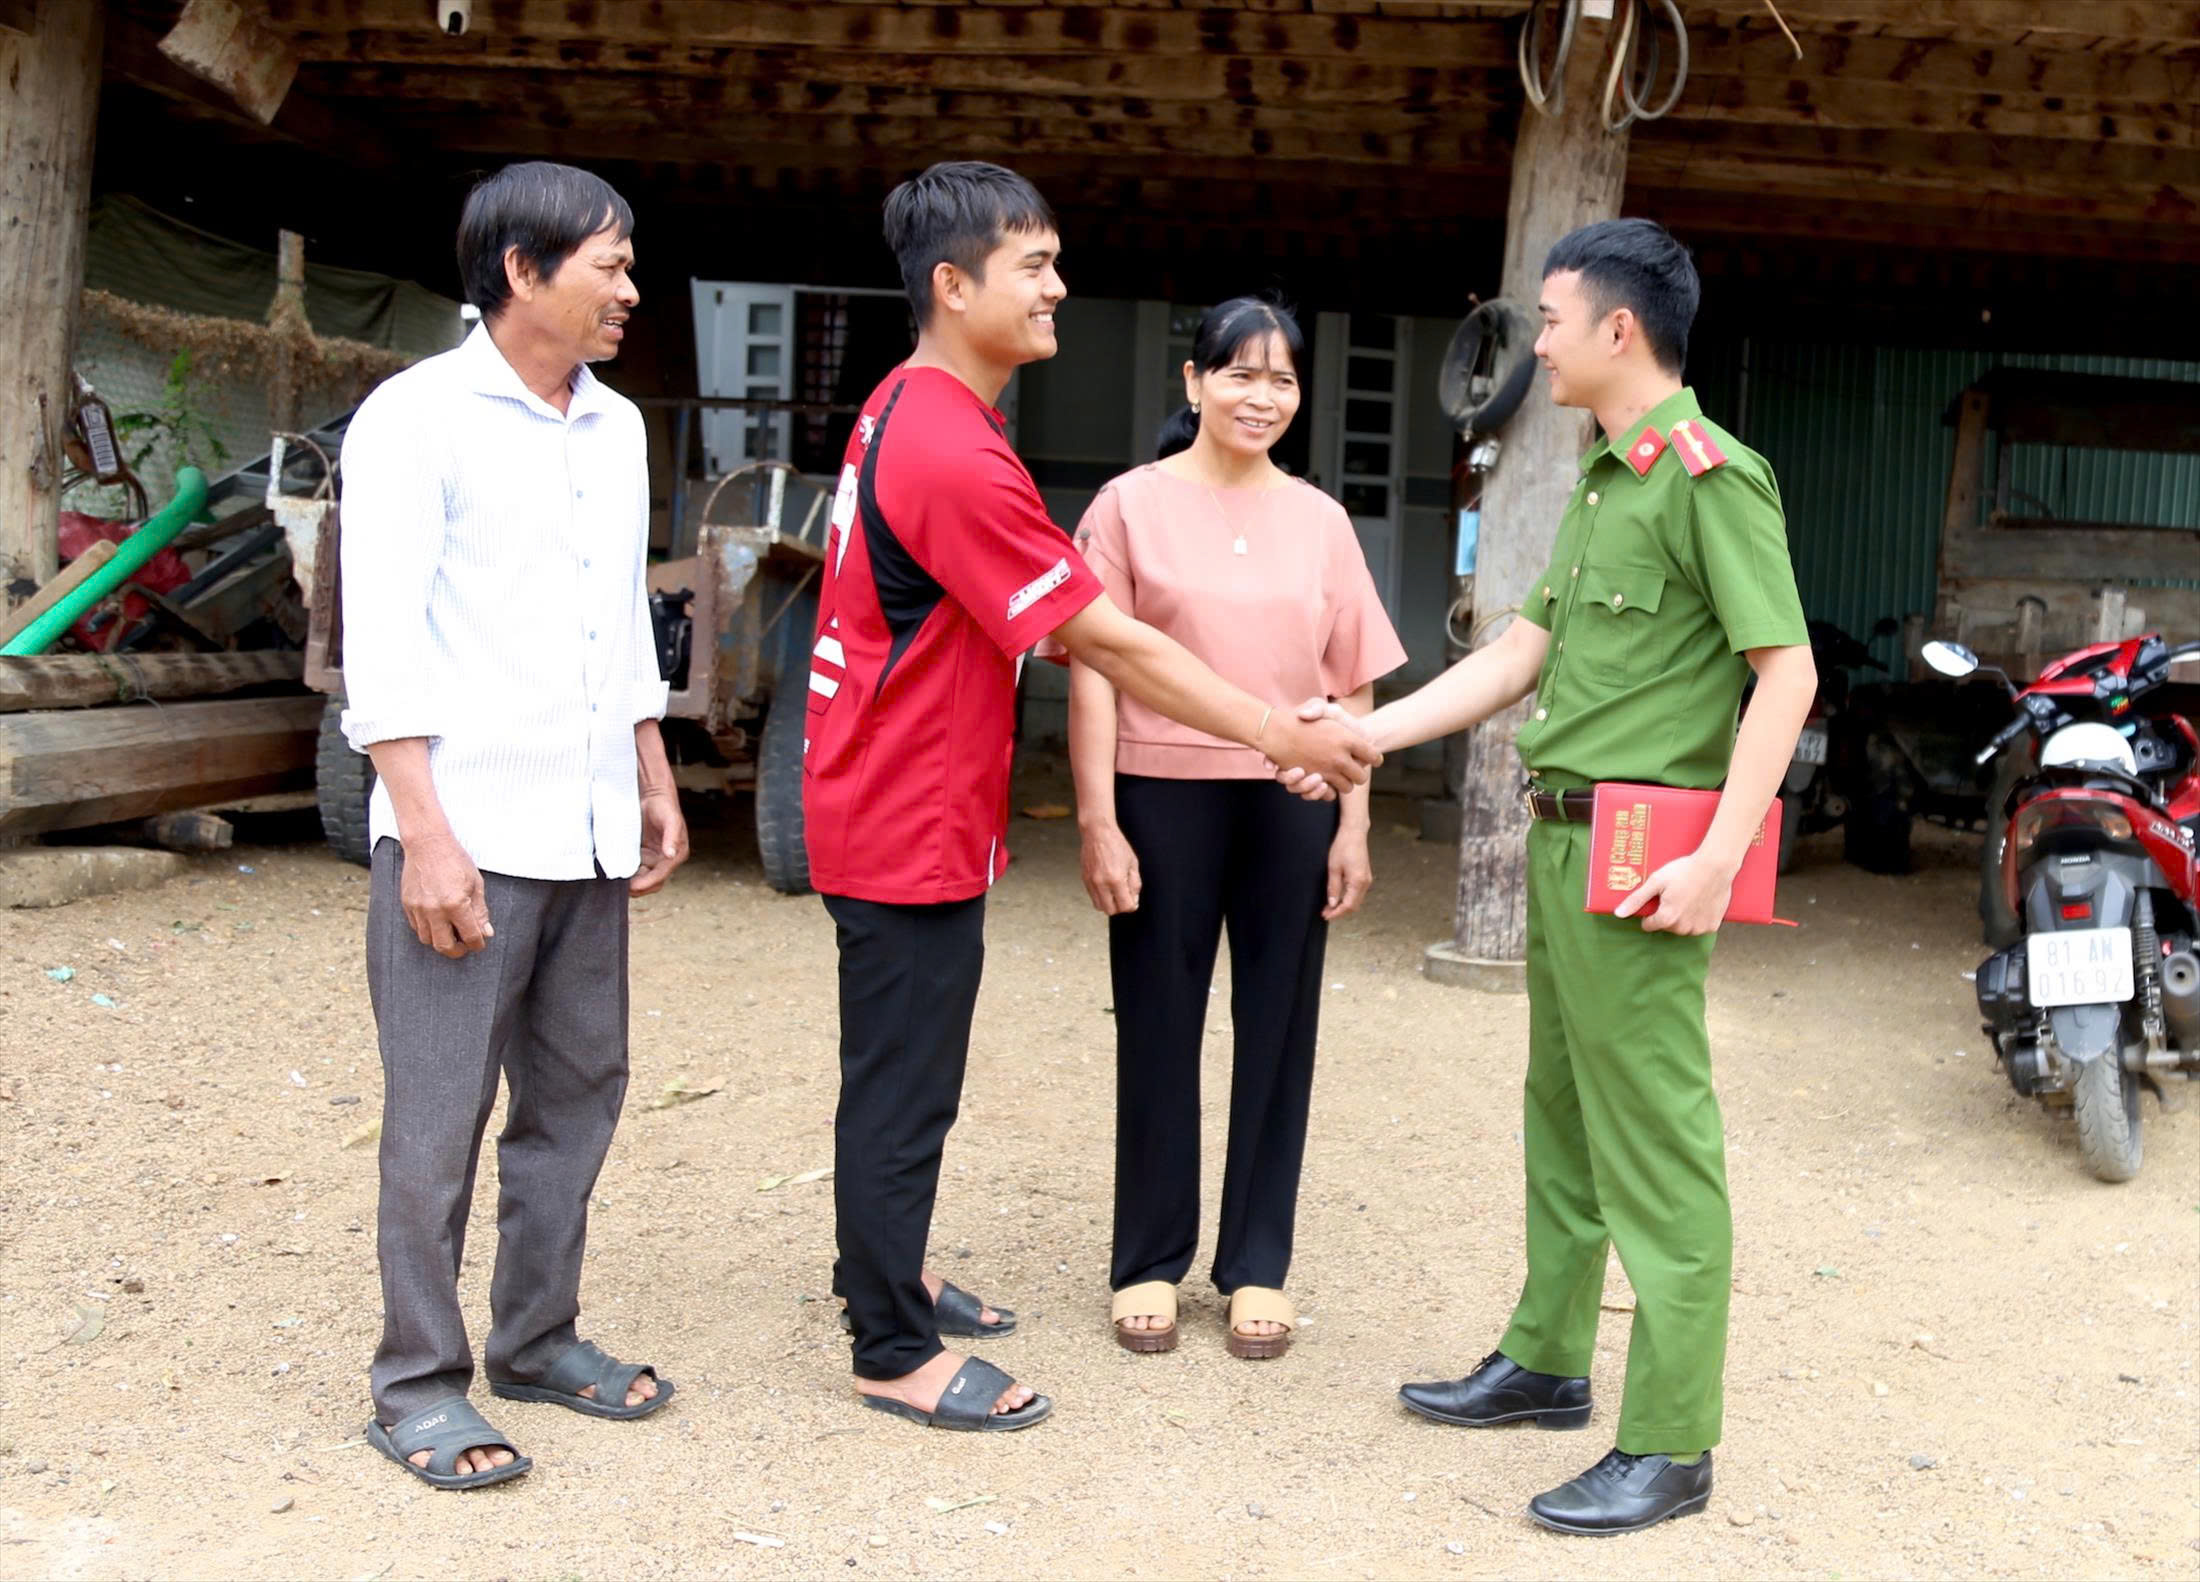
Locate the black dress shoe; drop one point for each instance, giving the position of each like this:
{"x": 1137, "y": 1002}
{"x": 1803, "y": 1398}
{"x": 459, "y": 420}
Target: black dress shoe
{"x": 1625, "y": 1494}
{"x": 1501, "y": 1391}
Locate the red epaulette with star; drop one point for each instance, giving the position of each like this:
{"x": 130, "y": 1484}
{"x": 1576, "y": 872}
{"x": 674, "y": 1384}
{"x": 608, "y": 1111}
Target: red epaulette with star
{"x": 1699, "y": 452}
{"x": 1648, "y": 447}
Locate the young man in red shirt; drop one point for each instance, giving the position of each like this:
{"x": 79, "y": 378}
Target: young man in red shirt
{"x": 942, "y": 570}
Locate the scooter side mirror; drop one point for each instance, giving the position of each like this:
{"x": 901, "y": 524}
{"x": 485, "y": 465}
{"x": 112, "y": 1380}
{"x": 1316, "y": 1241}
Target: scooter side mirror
{"x": 1950, "y": 659}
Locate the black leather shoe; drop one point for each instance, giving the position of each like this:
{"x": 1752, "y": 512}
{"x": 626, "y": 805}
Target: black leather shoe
{"x": 1625, "y": 1494}
{"x": 1501, "y": 1391}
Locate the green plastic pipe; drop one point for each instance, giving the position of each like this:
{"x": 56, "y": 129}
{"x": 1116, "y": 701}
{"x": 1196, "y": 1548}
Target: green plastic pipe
{"x": 130, "y": 555}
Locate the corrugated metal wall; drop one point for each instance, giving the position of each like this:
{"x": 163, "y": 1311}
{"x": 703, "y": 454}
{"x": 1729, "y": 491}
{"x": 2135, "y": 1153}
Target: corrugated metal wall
{"x": 1856, "y": 437}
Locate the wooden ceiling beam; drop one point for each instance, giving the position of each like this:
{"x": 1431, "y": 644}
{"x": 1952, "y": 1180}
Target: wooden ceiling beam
{"x": 2053, "y": 24}
{"x": 639, "y": 101}
{"x": 1871, "y": 106}
{"x": 2040, "y": 196}
{"x": 1753, "y": 47}
{"x": 613, "y": 130}
{"x": 321, "y": 29}
{"x": 1748, "y": 100}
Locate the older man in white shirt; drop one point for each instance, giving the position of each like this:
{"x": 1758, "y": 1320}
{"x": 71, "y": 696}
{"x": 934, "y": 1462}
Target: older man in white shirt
{"x": 502, "y": 674}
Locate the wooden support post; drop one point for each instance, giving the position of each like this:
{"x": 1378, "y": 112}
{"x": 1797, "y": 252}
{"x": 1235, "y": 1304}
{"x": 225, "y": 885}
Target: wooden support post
{"x": 49, "y": 94}
{"x": 286, "y": 316}
{"x": 1567, "y": 171}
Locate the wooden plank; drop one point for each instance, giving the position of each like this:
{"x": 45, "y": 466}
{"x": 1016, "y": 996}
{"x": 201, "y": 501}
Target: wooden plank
{"x": 324, "y": 29}
{"x": 1754, "y": 47}
{"x": 66, "y": 681}
{"x": 49, "y": 95}
{"x": 133, "y": 54}
{"x": 638, "y": 100}
{"x": 224, "y": 44}
{"x": 915, "y": 143}
{"x": 633, "y": 101}
{"x": 1767, "y": 100}
{"x": 66, "y": 582}
{"x": 68, "y": 769}
{"x": 2053, "y": 24}
{"x": 2062, "y": 553}
{"x": 1860, "y": 164}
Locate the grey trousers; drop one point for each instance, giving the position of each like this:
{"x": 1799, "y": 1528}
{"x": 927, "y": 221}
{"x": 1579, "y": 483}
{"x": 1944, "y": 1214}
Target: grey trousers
{"x": 545, "y": 1002}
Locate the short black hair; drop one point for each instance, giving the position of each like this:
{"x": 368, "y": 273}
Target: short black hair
{"x": 1637, "y": 265}
{"x": 544, "y": 210}
{"x": 1225, "y": 330}
{"x": 956, "y": 212}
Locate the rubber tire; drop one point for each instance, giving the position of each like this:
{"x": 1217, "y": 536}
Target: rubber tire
{"x": 1876, "y": 835}
{"x": 2106, "y": 1100}
{"x": 343, "y": 780}
{"x": 1791, "y": 826}
{"x": 779, "y": 800}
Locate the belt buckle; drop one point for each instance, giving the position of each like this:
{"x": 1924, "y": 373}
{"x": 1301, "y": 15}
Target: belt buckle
{"x": 1527, "y": 800}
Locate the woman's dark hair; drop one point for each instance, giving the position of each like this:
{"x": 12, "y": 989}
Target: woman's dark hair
{"x": 544, "y": 210}
{"x": 1637, "y": 265}
{"x": 956, "y": 212}
{"x": 1225, "y": 330}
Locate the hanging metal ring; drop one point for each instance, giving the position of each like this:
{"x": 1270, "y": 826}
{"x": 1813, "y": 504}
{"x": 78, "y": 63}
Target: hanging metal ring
{"x": 1547, "y": 97}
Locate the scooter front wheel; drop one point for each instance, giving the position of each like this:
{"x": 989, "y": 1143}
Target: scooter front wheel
{"x": 2106, "y": 1099}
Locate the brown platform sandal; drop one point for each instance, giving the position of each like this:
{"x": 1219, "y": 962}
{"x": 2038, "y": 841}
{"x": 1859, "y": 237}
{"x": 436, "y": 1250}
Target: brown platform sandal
{"x": 1153, "y": 1299}
{"x": 1254, "y": 1304}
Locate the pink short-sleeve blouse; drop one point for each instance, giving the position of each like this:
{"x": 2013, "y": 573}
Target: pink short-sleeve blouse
{"x": 1294, "y": 616}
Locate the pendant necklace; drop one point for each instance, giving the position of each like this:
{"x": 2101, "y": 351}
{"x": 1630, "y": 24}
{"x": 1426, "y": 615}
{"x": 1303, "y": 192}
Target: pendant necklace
{"x": 1237, "y": 541}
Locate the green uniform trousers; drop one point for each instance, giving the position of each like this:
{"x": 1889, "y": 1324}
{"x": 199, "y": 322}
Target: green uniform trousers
{"x": 1624, "y": 1147}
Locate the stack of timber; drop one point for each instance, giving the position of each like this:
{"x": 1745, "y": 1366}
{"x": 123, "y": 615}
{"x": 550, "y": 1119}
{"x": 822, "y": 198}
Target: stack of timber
{"x": 88, "y": 739}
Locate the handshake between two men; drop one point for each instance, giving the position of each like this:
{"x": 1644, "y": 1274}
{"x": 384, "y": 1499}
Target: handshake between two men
{"x": 1329, "y": 750}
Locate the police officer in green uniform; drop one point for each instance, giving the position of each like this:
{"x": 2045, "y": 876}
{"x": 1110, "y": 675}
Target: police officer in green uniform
{"x": 1669, "y": 583}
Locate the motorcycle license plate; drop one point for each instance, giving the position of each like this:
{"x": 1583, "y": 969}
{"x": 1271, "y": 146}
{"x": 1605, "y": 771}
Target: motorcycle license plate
{"x": 2086, "y": 966}
{"x": 1810, "y": 747}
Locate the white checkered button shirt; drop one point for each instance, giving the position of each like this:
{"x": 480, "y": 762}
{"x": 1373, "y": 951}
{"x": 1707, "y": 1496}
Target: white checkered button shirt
{"x": 494, "y": 552}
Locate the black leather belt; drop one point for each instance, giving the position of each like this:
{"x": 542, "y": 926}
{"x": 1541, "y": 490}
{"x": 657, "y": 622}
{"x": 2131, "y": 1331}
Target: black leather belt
{"x": 1566, "y": 807}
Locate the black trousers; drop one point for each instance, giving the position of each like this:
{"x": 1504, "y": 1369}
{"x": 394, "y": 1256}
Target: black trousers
{"x": 908, "y": 984}
{"x": 1249, "y": 856}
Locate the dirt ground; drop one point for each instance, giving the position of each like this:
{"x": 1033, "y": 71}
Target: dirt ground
{"x": 1953, "y": 1353}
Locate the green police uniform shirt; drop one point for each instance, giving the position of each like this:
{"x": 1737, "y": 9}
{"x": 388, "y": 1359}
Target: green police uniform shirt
{"x": 1671, "y": 561}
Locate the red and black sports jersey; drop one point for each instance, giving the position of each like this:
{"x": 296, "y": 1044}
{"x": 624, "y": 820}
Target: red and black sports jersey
{"x": 942, "y": 569}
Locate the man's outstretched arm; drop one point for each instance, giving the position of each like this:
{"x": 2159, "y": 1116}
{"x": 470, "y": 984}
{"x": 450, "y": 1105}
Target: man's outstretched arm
{"x": 1160, "y": 673}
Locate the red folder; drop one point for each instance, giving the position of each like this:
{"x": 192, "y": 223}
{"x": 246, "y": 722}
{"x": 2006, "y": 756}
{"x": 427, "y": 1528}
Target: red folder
{"x": 1635, "y": 830}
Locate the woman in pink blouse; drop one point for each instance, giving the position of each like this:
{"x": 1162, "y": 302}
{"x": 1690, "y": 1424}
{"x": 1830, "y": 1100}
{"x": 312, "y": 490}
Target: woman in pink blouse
{"x": 1261, "y": 576}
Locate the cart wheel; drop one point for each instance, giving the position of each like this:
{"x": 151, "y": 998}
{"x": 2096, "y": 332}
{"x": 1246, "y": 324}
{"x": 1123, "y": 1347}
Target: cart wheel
{"x": 779, "y": 800}
{"x": 343, "y": 780}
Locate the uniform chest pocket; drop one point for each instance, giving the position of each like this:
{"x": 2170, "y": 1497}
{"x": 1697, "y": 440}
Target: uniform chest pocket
{"x": 1615, "y": 635}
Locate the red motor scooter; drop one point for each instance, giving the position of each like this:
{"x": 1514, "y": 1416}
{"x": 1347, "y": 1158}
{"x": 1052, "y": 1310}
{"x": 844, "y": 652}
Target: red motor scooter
{"x": 2101, "y": 994}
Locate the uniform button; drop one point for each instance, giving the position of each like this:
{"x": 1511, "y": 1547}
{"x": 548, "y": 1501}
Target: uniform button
{"x": 1562, "y": 645}
{"x": 1575, "y": 572}
{"x": 1592, "y": 497}
{"x": 586, "y": 563}
{"x": 1617, "y": 600}
{"x": 592, "y": 635}
{"x": 1542, "y": 714}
